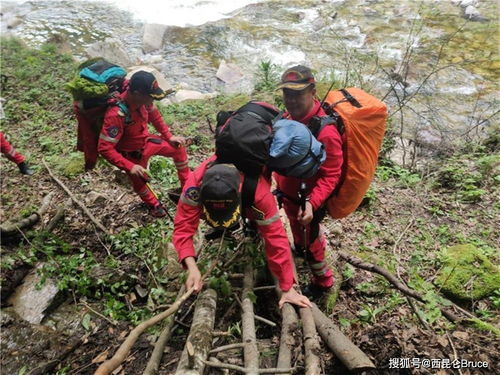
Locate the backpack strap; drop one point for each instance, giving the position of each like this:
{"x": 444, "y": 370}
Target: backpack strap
{"x": 318, "y": 123}
{"x": 248, "y": 198}
{"x": 126, "y": 111}
{"x": 263, "y": 113}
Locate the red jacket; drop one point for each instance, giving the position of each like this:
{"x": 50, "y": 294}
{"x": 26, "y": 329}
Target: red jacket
{"x": 264, "y": 213}
{"x": 321, "y": 185}
{"x": 117, "y": 135}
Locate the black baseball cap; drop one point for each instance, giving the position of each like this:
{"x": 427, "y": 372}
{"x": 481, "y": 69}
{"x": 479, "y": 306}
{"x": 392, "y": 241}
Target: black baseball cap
{"x": 220, "y": 195}
{"x": 297, "y": 78}
{"x": 146, "y": 83}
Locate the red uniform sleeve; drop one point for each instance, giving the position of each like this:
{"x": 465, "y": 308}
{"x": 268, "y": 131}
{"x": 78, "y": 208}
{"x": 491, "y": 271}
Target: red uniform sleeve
{"x": 277, "y": 247}
{"x": 155, "y": 118}
{"x": 187, "y": 219}
{"x": 329, "y": 173}
{"x": 111, "y": 133}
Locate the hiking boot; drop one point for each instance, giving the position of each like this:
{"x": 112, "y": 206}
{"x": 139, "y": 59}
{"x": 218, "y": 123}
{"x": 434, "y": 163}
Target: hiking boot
{"x": 158, "y": 210}
{"x": 25, "y": 169}
{"x": 314, "y": 291}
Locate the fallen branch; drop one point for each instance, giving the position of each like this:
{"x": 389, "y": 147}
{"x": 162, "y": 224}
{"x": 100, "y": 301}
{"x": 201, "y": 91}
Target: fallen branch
{"x": 394, "y": 281}
{"x": 110, "y": 365}
{"x": 250, "y": 351}
{"x": 227, "y": 347}
{"x": 311, "y": 343}
{"x": 8, "y": 229}
{"x": 244, "y": 370}
{"x": 154, "y": 362}
{"x": 48, "y": 367}
{"x": 348, "y": 353}
{"x": 80, "y": 204}
{"x": 199, "y": 341}
{"x": 289, "y": 326}
{"x": 60, "y": 212}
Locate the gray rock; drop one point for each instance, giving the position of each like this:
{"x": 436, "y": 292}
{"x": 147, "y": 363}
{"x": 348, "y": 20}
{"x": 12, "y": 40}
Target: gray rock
{"x": 183, "y": 95}
{"x": 466, "y": 3}
{"x": 13, "y": 22}
{"x": 32, "y": 302}
{"x": 162, "y": 81}
{"x": 472, "y": 13}
{"x": 95, "y": 197}
{"x": 152, "y": 38}
{"x": 229, "y": 72}
{"x": 111, "y": 49}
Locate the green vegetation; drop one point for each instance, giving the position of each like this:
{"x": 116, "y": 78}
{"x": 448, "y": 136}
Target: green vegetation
{"x": 467, "y": 273}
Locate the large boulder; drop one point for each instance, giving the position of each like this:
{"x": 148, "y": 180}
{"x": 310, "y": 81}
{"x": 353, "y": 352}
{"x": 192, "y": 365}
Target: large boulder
{"x": 229, "y": 73}
{"x": 110, "y": 49}
{"x": 162, "y": 81}
{"x": 152, "y": 38}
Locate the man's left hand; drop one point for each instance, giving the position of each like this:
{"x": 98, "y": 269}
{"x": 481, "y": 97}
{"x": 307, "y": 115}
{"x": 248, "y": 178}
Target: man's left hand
{"x": 177, "y": 141}
{"x": 305, "y": 217}
{"x": 293, "y": 297}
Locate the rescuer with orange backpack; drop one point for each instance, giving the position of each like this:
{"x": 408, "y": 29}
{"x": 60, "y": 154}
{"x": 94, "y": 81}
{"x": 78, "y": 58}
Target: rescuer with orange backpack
{"x": 299, "y": 96}
{"x": 350, "y": 124}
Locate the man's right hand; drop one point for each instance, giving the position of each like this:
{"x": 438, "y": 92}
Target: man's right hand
{"x": 194, "y": 275}
{"x": 139, "y": 171}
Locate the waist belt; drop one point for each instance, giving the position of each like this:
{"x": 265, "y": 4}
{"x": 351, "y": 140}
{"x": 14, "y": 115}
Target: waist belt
{"x": 136, "y": 155}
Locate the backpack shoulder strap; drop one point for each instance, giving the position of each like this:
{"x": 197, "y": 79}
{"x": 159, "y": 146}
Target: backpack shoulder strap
{"x": 248, "y": 191}
{"x": 320, "y": 122}
{"x": 126, "y": 111}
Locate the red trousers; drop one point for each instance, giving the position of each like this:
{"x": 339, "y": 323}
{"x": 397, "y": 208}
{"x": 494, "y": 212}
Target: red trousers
{"x": 162, "y": 148}
{"x": 322, "y": 275}
{"x": 89, "y": 127}
{"x": 9, "y": 151}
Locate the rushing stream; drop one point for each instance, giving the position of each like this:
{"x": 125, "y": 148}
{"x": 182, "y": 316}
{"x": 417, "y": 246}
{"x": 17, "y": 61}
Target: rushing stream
{"x": 428, "y": 50}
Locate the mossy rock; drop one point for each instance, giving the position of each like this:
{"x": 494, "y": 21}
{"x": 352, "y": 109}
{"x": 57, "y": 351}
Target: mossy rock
{"x": 72, "y": 165}
{"x": 467, "y": 273}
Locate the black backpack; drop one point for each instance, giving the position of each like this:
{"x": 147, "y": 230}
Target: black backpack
{"x": 243, "y": 137}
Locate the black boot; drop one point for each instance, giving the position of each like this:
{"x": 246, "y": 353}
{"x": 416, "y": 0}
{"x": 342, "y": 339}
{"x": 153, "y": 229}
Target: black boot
{"x": 25, "y": 169}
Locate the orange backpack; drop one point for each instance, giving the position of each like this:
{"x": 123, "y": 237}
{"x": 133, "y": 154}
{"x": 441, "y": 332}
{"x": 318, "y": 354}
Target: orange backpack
{"x": 364, "y": 118}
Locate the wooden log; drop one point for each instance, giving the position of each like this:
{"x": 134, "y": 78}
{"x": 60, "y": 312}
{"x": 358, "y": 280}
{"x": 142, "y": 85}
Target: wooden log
{"x": 60, "y": 212}
{"x": 199, "y": 341}
{"x": 250, "y": 351}
{"x": 244, "y": 370}
{"x": 311, "y": 343}
{"x": 154, "y": 362}
{"x": 289, "y": 328}
{"x": 348, "y": 353}
{"x": 9, "y": 229}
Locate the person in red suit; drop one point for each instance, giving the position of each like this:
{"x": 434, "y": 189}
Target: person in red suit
{"x": 299, "y": 96}
{"x": 10, "y": 153}
{"x": 126, "y": 142}
{"x": 214, "y": 190}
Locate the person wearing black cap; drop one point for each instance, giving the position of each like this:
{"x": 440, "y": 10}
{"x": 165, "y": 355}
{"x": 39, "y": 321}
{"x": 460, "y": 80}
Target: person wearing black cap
{"x": 299, "y": 96}
{"x": 126, "y": 143}
{"x": 214, "y": 191}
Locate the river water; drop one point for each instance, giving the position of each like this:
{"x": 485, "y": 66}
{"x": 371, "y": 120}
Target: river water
{"x": 425, "y": 51}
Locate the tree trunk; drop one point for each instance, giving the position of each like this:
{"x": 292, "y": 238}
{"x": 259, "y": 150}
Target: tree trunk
{"x": 200, "y": 335}
{"x": 348, "y": 353}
